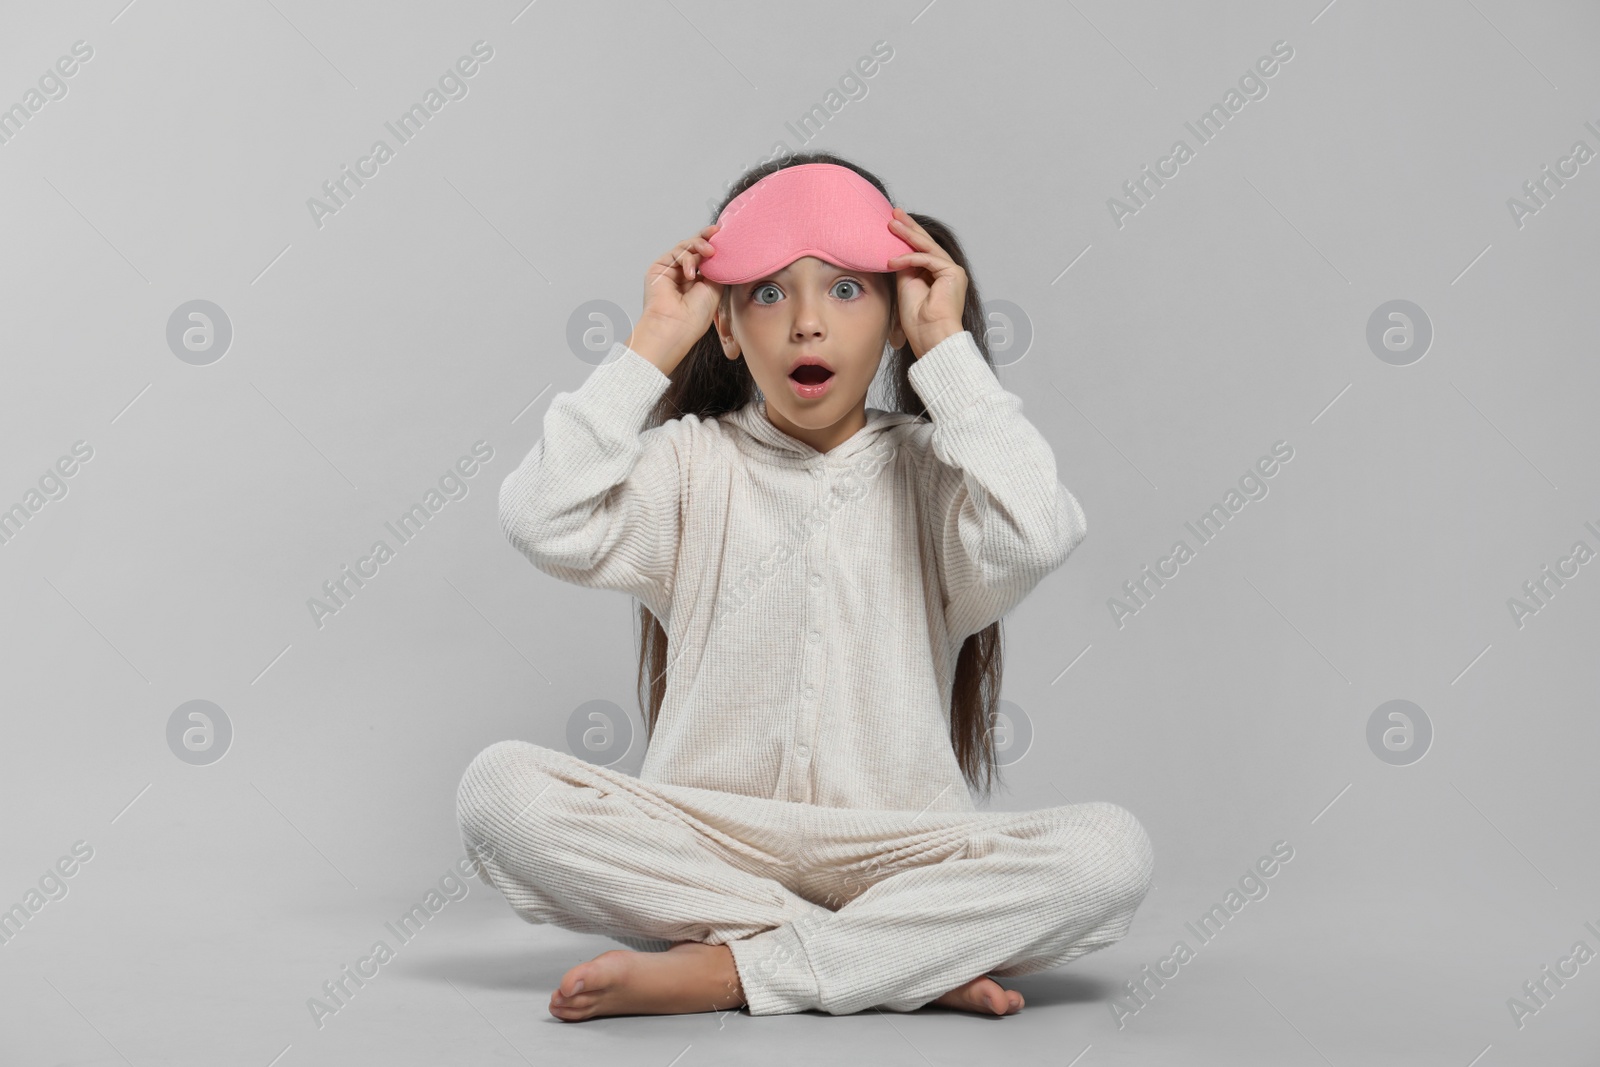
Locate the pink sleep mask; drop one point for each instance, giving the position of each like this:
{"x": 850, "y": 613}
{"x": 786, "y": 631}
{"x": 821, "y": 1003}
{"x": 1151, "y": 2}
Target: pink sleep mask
{"x": 815, "y": 209}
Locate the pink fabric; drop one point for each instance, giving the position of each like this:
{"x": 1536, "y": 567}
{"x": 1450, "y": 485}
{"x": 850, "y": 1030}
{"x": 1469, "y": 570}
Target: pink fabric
{"x": 816, "y": 209}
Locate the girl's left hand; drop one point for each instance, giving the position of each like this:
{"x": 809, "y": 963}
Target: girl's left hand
{"x": 929, "y": 312}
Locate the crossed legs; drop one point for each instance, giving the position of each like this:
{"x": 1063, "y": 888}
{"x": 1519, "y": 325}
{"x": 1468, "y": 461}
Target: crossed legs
{"x": 832, "y": 909}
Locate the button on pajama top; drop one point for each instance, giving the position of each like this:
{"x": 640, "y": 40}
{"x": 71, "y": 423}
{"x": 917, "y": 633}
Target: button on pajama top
{"x": 800, "y": 792}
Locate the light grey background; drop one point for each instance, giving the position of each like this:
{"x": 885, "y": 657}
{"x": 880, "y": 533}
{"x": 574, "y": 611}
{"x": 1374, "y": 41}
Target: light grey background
{"x": 1169, "y": 354}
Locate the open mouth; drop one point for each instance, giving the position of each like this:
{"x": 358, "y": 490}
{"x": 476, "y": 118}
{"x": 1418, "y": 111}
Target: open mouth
{"x": 811, "y": 374}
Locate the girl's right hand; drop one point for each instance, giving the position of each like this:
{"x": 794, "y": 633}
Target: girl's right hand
{"x": 679, "y": 303}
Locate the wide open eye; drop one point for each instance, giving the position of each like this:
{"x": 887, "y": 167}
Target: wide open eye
{"x": 755, "y": 294}
{"x": 859, "y": 289}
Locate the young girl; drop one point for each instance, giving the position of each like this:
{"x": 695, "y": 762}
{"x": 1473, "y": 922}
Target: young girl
{"x": 820, "y": 584}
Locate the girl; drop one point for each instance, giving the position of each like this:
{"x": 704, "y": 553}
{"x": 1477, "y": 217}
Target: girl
{"x": 820, "y": 584}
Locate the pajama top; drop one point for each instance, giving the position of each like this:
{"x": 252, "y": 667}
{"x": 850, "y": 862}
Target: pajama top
{"x": 814, "y": 603}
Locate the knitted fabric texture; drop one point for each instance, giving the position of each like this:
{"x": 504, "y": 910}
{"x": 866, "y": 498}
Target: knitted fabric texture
{"x": 830, "y": 909}
{"x": 815, "y": 603}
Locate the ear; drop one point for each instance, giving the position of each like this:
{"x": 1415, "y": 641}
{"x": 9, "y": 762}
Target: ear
{"x": 897, "y": 331}
{"x": 730, "y": 343}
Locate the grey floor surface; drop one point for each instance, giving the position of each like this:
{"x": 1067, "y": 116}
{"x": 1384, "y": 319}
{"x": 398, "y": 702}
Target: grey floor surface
{"x": 1313, "y": 973}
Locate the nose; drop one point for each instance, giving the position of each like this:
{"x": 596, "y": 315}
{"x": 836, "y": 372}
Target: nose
{"x": 808, "y": 324}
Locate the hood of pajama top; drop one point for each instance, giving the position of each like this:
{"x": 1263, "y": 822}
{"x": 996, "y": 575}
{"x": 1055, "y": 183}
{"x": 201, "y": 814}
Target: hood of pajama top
{"x": 756, "y": 434}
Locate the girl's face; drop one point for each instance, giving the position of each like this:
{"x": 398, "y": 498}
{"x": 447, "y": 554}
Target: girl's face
{"x": 812, "y": 310}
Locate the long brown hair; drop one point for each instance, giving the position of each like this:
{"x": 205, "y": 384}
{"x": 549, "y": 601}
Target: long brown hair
{"x": 706, "y": 383}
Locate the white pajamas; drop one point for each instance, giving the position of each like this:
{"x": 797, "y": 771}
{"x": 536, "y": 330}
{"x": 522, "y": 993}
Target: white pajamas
{"x": 835, "y": 909}
{"x": 815, "y": 605}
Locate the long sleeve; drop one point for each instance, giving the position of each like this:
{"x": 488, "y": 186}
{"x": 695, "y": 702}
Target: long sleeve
{"x": 1004, "y": 520}
{"x": 596, "y": 502}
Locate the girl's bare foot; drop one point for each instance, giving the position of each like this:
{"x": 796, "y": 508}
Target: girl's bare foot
{"x": 688, "y": 977}
{"x": 983, "y": 995}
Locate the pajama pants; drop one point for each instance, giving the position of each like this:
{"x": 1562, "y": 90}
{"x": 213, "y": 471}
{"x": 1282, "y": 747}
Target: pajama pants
{"x": 834, "y": 909}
